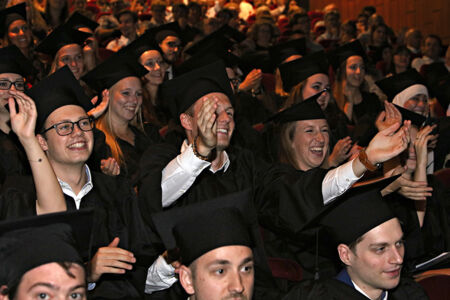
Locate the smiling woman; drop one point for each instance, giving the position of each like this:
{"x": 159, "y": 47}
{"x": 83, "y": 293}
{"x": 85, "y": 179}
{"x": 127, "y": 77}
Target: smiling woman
{"x": 122, "y": 124}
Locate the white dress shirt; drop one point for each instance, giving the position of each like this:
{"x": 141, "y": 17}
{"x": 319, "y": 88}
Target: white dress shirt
{"x": 180, "y": 173}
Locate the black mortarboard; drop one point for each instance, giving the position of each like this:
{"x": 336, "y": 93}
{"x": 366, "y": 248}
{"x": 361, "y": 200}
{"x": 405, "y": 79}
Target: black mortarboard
{"x": 173, "y": 29}
{"x": 338, "y": 56}
{"x": 58, "y": 89}
{"x": 231, "y": 33}
{"x": 183, "y": 91}
{"x": 280, "y": 52}
{"x": 203, "y": 59}
{"x": 294, "y": 72}
{"x": 112, "y": 70}
{"x": 63, "y": 35}
{"x": 393, "y": 85}
{"x": 77, "y": 20}
{"x": 10, "y": 14}
{"x": 143, "y": 43}
{"x": 257, "y": 60}
{"x": 201, "y": 227}
{"x": 357, "y": 211}
{"x": 34, "y": 241}
{"x": 305, "y": 110}
{"x": 218, "y": 41}
{"x": 416, "y": 119}
{"x": 13, "y": 61}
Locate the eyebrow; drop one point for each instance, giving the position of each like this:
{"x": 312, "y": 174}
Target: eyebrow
{"x": 49, "y": 285}
{"x": 246, "y": 260}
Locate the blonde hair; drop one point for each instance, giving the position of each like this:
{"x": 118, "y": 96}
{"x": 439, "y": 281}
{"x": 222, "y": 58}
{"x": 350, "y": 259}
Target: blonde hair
{"x": 54, "y": 66}
{"x": 105, "y": 124}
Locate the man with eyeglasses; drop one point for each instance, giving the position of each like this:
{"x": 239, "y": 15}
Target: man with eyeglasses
{"x": 170, "y": 45}
{"x": 123, "y": 248}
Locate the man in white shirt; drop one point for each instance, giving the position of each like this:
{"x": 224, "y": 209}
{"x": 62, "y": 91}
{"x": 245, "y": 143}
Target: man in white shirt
{"x": 128, "y": 26}
{"x": 432, "y": 49}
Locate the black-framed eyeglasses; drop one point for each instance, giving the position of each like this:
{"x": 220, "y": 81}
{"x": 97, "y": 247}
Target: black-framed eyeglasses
{"x": 66, "y": 127}
{"x": 6, "y": 84}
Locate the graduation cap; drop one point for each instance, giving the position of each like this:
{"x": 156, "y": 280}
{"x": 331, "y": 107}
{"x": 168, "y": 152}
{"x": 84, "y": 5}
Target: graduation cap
{"x": 280, "y": 52}
{"x": 338, "y": 56}
{"x": 11, "y": 14}
{"x": 294, "y": 72}
{"x": 63, "y": 35}
{"x": 112, "y": 70}
{"x": 183, "y": 91}
{"x": 393, "y": 85}
{"x": 357, "y": 211}
{"x": 58, "y": 89}
{"x": 257, "y": 60}
{"x": 222, "y": 39}
{"x": 173, "y": 29}
{"x": 34, "y": 241}
{"x": 143, "y": 43}
{"x": 415, "y": 118}
{"x": 13, "y": 61}
{"x": 203, "y": 59}
{"x": 77, "y": 20}
{"x": 308, "y": 109}
{"x": 201, "y": 227}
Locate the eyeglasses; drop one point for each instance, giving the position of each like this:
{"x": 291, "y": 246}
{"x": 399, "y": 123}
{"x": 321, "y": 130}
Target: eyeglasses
{"x": 66, "y": 127}
{"x": 173, "y": 44}
{"x": 16, "y": 30}
{"x": 6, "y": 84}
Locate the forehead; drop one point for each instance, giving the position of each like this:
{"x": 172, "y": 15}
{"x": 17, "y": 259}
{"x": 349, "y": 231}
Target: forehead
{"x": 66, "y": 112}
{"x": 313, "y": 123}
{"x": 150, "y": 54}
{"x": 355, "y": 59}
{"x": 127, "y": 82}
{"x": 19, "y": 22}
{"x": 11, "y": 76}
{"x": 230, "y": 254}
{"x": 319, "y": 77}
{"x": 71, "y": 49}
{"x": 387, "y": 232}
{"x": 54, "y": 274}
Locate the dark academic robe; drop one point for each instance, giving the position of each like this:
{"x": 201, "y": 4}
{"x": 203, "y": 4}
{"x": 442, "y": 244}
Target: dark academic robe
{"x": 13, "y": 160}
{"x": 433, "y": 238}
{"x": 341, "y": 288}
{"x": 132, "y": 154}
{"x": 116, "y": 215}
{"x": 364, "y": 116}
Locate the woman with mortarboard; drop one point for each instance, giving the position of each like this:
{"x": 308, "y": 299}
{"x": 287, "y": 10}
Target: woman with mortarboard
{"x": 127, "y": 137}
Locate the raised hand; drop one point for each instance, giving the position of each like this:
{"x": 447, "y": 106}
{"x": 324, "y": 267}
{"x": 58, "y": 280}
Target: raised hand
{"x": 251, "y": 81}
{"x": 110, "y": 259}
{"x": 421, "y": 142}
{"x": 388, "y": 143}
{"x": 388, "y": 117}
{"x": 110, "y": 167}
{"x": 23, "y": 122}
{"x": 340, "y": 152}
{"x": 101, "y": 108}
{"x": 207, "y": 126}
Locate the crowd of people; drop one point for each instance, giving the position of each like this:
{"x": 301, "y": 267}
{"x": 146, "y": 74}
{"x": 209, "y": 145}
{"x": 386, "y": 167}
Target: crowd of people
{"x": 219, "y": 150}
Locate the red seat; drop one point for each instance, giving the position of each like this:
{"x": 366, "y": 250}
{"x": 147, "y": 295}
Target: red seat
{"x": 437, "y": 286}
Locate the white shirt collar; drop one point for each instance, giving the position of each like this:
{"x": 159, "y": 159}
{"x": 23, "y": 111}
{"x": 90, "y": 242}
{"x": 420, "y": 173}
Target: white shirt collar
{"x": 362, "y": 292}
{"x": 67, "y": 189}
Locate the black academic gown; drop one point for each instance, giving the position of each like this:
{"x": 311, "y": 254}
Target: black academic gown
{"x": 116, "y": 214}
{"x": 13, "y": 160}
{"x": 433, "y": 238}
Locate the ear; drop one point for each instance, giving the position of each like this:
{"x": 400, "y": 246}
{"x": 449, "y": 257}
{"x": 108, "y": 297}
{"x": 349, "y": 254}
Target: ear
{"x": 3, "y": 296}
{"x": 42, "y": 142}
{"x": 186, "y": 279}
{"x": 186, "y": 121}
{"x": 345, "y": 254}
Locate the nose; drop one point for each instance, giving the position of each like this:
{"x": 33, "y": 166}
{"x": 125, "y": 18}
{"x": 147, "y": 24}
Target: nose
{"x": 397, "y": 256}
{"x": 223, "y": 117}
{"x": 235, "y": 284}
{"x": 157, "y": 66}
{"x": 319, "y": 137}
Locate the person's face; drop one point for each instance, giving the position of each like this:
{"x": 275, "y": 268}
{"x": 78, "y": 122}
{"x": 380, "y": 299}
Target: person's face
{"x": 432, "y": 48}
{"x": 310, "y": 143}
{"x": 72, "y": 149}
{"x": 170, "y": 47}
{"x": 51, "y": 281}
{"x": 264, "y": 34}
{"x": 19, "y": 34}
{"x": 415, "y": 40}
{"x": 316, "y": 84}
{"x": 302, "y": 24}
{"x": 332, "y": 21}
{"x": 79, "y": 4}
{"x": 4, "y": 95}
{"x": 361, "y": 24}
{"x": 154, "y": 63}
{"x": 195, "y": 14}
{"x": 355, "y": 71}
{"x": 224, "y": 119}
{"x": 72, "y": 56}
{"x": 376, "y": 263}
{"x": 127, "y": 25}
{"x": 402, "y": 59}
{"x": 125, "y": 99}
{"x": 418, "y": 104}
{"x": 379, "y": 35}
{"x": 159, "y": 14}
{"x": 224, "y": 273}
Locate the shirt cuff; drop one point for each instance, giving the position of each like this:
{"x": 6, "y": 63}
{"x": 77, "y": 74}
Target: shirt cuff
{"x": 190, "y": 163}
{"x": 160, "y": 276}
